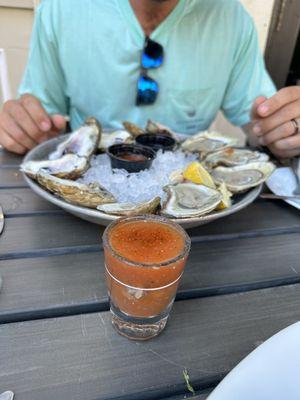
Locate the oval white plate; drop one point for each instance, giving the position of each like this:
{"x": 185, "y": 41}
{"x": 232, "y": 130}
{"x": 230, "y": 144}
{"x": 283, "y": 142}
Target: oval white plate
{"x": 42, "y": 151}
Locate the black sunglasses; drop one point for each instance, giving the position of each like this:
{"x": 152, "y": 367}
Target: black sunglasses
{"x": 152, "y": 57}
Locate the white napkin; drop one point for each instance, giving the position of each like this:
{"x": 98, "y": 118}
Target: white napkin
{"x": 283, "y": 182}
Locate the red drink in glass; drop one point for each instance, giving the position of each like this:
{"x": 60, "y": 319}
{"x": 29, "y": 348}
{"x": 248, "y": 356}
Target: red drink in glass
{"x": 145, "y": 257}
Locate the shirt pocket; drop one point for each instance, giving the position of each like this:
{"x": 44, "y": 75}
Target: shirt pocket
{"x": 192, "y": 110}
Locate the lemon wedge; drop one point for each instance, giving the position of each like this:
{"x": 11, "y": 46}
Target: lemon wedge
{"x": 196, "y": 173}
{"x": 226, "y": 201}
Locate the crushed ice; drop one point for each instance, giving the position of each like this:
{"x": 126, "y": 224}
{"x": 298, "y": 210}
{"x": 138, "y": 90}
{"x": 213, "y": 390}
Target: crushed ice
{"x": 141, "y": 186}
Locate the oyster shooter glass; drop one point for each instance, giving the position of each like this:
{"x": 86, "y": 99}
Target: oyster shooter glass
{"x": 144, "y": 261}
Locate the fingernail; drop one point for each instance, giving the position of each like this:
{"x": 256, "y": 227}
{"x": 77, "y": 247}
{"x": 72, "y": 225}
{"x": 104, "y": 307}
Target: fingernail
{"x": 263, "y": 109}
{"x": 45, "y": 126}
{"x": 257, "y": 129}
{"x": 261, "y": 141}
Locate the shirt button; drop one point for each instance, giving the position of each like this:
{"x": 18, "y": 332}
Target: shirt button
{"x": 192, "y": 113}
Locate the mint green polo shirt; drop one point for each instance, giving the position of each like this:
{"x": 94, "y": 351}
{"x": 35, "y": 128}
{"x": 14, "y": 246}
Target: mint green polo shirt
{"x": 85, "y": 60}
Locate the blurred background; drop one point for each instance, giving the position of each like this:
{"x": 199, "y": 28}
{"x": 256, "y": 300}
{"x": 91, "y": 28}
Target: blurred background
{"x": 277, "y": 21}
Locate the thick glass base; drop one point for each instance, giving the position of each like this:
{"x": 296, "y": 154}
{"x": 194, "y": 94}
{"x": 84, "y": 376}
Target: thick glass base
{"x": 137, "y": 328}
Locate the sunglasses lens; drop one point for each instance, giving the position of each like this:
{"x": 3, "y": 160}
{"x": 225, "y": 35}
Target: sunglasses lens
{"x": 147, "y": 91}
{"x": 153, "y": 55}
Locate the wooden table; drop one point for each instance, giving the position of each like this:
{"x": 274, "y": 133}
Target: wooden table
{"x": 241, "y": 286}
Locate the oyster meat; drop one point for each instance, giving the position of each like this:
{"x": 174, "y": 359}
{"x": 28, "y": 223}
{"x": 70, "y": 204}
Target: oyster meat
{"x": 231, "y": 157}
{"x": 73, "y": 192}
{"x": 188, "y": 200}
{"x": 108, "y": 139}
{"x": 243, "y": 177}
{"x": 157, "y": 128}
{"x": 69, "y": 166}
{"x": 151, "y": 127}
{"x": 131, "y": 210}
{"x": 83, "y": 142}
{"x": 133, "y": 129}
{"x": 208, "y": 142}
{"x": 176, "y": 177}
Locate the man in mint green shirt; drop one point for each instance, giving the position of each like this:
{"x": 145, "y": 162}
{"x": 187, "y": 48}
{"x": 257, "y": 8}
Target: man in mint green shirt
{"x": 85, "y": 59}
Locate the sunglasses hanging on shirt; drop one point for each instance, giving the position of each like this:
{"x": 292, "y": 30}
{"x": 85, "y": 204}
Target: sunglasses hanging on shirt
{"x": 148, "y": 88}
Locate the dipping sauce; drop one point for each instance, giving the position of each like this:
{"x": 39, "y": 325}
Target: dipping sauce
{"x": 133, "y": 157}
{"x": 145, "y": 288}
{"x": 146, "y": 242}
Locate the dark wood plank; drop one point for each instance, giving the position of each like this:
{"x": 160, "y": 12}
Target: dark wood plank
{"x": 41, "y": 233}
{"x": 47, "y": 233}
{"x": 242, "y": 262}
{"x": 81, "y": 357}
{"x": 202, "y": 396}
{"x": 259, "y": 217}
{"x": 24, "y": 201}
{"x": 11, "y": 177}
{"x": 7, "y": 158}
{"x": 52, "y": 286}
{"x": 59, "y": 285}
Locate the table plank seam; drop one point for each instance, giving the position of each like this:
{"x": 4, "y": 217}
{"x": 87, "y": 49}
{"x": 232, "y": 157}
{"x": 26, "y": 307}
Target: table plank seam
{"x": 166, "y": 393}
{"x": 187, "y": 395}
{"x": 246, "y": 235}
{"x": 222, "y": 290}
{"x": 9, "y": 166}
{"x": 36, "y": 214}
{"x": 50, "y": 252}
{"x": 21, "y": 186}
{"x": 98, "y": 247}
{"x": 182, "y": 295}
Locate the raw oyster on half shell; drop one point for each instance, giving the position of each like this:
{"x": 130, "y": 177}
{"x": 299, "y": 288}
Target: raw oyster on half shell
{"x": 188, "y": 200}
{"x": 83, "y": 142}
{"x": 157, "y": 128}
{"x": 91, "y": 195}
{"x": 131, "y": 210}
{"x": 176, "y": 177}
{"x": 232, "y": 157}
{"x": 243, "y": 177}
{"x": 69, "y": 166}
{"x": 116, "y": 137}
{"x": 133, "y": 129}
{"x": 208, "y": 142}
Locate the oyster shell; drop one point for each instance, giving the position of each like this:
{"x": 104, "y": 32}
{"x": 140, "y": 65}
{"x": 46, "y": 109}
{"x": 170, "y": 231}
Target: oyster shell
{"x": 176, "y": 177}
{"x": 108, "y": 139}
{"x": 188, "y": 200}
{"x": 129, "y": 209}
{"x": 226, "y": 197}
{"x": 208, "y": 142}
{"x": 232, "y": 157}
{"x": 83, "y": 142}
{"x": 243, "y": 177}
{"x": 69, "y": 166}
{"x": 73, "y": 192}
{"x": 133, "y": 129}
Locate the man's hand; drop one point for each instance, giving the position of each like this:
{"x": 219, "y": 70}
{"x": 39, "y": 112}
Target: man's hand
{"x": 24, "y": 123}
{"x": 272, "y": 122}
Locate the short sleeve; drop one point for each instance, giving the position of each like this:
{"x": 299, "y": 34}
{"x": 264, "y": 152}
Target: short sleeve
{"x": 44, "y": 77}
{"x": 249, "y": 78}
